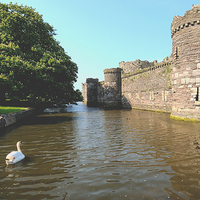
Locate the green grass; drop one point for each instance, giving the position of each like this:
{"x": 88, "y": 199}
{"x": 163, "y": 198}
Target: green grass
{"x": 9, "y": 110}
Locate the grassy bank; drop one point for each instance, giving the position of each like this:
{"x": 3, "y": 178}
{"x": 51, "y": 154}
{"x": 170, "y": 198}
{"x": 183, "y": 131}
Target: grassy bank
{"x": 9, "y": 110}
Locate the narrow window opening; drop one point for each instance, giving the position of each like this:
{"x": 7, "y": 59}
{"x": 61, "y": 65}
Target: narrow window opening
{"x": 197, "y": 97}
{"x": 177, "y": 53}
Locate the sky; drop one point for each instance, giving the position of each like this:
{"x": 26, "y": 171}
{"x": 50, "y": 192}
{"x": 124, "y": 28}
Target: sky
{"x": 98, "y": 34}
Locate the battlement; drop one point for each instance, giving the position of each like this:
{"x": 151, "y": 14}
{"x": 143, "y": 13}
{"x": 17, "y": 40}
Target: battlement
{"x": 92, "y": 80}
{"x": 112, "y": 71}
{"x": 191, "y": 18}
{"x": 138, "y": 67}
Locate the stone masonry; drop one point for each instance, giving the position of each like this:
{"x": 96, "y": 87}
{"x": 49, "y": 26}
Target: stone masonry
{"x": 106, "y": 93}
{"x": 89, "y": 91}
{"x": 185, "y": 33}
{"x": 172, "y": 85}
{"x": 149, "y": 88}
{"x": 9, "y": 119}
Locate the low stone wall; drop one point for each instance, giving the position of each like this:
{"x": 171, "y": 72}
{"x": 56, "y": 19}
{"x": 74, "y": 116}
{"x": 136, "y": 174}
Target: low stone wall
{"x": 2, "y": 122}
{"x": 9, "y": 119}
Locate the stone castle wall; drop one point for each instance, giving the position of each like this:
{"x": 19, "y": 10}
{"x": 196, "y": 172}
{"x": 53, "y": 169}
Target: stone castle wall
{"x": 172, "y": 85}
{"x": 148, "y": 88}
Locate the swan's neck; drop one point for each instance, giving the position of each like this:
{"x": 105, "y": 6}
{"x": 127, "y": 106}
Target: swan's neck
{"x": 18, "y": 147}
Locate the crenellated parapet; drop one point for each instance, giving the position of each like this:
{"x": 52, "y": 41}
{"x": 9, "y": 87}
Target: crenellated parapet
{"x": 160, "y": 65}
{"x": 112, "y": 71}
{"x": 166, "y": 62}
{"x": 191, "y": 18}
{"x": 92, "y": 80}
{"x": 112, "y": 74}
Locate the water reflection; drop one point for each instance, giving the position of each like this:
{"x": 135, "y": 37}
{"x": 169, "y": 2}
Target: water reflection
{"x": 90, "y": 153}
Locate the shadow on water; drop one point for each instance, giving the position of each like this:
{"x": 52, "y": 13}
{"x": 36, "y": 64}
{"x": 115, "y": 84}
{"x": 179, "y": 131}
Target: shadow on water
{"x": 50, "y": 116}
{"x": 38, "y": 120}
{"x": 49, "y": 119}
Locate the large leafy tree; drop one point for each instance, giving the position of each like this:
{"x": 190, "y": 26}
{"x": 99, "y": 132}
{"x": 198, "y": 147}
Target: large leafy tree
{"x": 33, "y": 66}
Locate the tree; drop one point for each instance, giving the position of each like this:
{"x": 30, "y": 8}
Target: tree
{"x": 33, "y": 66}
{"x": 79, "y": 96}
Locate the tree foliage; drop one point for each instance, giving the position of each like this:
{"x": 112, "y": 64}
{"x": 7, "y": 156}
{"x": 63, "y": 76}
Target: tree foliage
{"x": 79, "y": 96}
{"x": 33, "y": 66}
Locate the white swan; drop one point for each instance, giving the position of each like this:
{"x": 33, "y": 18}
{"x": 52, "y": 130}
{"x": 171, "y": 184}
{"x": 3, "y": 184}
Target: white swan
{"x": 15, "y": 156}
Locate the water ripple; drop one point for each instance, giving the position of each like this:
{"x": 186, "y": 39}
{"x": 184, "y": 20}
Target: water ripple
{"x": 90, "y": 153}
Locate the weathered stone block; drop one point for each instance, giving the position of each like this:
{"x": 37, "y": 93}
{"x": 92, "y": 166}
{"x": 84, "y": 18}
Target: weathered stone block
{"x": 175, "y": 82}
{"x": 196, "y": 72}
{"x": 198, "y": 80}
{"x": 185, "y": 73}
{"x": 176, "y": 75}
{"x": 193, "y": 80}
{"x": 194, "y": 90}
{"x": 180, "y": 75}
{"x": 2, "y": 122}
{"x": 183, "y": 81}
{"x": 187, "y": 80}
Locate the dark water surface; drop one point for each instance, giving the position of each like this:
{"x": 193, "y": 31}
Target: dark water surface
{"x": 90, "y": 153}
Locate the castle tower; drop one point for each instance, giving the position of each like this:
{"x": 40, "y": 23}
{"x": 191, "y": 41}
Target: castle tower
{"x": 185, "y": 33}
{"x": 112, "y": 88}
{"x": 89, "y": 91}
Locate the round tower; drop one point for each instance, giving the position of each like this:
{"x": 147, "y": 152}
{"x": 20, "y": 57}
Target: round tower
{"x": 112, "y": 88}
{"x": 185, "y": 33}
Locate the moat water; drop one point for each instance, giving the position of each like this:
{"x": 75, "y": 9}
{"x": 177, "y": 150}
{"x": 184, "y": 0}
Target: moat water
{"x": 91, "y": 153}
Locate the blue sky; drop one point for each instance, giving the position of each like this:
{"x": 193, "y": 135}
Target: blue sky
{"x": 98, "y": 34}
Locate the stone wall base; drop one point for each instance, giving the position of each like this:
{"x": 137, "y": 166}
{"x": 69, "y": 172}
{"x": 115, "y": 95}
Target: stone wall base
{"x": 184, "y": 118}
{"x": 9, "y": 119}
{"x": 187, "y": 114}
{"x": 164, "y": 109}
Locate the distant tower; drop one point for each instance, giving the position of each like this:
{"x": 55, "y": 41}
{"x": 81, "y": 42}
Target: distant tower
{"x": 89, "y": 91}
{"x": 112, "y": 88}
{"x": 185, "y": 33}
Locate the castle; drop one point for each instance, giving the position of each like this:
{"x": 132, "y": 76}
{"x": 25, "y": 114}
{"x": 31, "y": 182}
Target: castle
{"x": 170, "y": 86}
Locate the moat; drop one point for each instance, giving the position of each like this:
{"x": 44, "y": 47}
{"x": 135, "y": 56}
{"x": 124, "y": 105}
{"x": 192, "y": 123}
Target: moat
{"x": 83, "y": 152}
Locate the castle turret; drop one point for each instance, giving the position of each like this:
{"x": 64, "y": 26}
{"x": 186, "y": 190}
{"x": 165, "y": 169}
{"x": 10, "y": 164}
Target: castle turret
{"x": 112, "y": 88}
{"x": 185, "y": 33}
